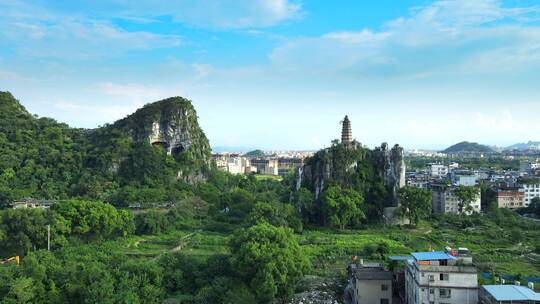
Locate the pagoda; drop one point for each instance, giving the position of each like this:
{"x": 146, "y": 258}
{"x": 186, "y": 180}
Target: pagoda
{"x": 346, "y": 132}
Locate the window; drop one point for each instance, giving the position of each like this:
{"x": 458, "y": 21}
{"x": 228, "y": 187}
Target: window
{"x": 444, "y": 293}
{"x": 444, "y": 277}
{"x": 431, "y": 278}
{"x": 432, "y": 291}
{"x": 384, "y": 287}
{"x": 385, "y": 301}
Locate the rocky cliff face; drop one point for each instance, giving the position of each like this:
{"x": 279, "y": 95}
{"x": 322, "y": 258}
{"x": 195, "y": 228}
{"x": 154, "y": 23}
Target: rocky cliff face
{"x": 391, "y": 164}
{"x": 356, "y": 167}
{"x": 172, "y": 124}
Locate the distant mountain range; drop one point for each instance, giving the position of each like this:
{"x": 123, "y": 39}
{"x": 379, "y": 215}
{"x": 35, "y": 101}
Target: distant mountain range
{"x": 466, "y": 146}
{"x": 531, "y": 145}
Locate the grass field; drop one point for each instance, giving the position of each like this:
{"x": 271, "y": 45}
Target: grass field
{"x": 330, "y": 250}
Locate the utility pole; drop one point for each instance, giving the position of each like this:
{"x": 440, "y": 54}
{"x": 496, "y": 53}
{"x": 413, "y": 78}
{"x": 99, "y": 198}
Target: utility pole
{"x": 49, "y": 237}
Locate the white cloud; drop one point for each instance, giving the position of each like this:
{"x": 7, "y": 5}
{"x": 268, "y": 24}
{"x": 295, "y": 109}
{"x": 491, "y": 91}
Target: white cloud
{"x": 448, "y": 36}
{"x": 33, "y": 31}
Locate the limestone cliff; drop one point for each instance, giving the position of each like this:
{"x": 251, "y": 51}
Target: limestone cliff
{"x": 391, "y": 164}
{"x": 170, "y": 123}
{"x": 378, "y": 173}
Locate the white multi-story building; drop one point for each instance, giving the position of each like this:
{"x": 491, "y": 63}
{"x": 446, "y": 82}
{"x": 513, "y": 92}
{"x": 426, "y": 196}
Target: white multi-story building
{"x": 440, "y": 278}
{"x": 444, "y": 200}
{"x": 437, "y": 170}
{"x": 369, "y": 283}
{"x": 466, "y": 180}
{"x": 528, "y": 166}
{"x": 531, "y": 191}
{"x": 233, "y": 163}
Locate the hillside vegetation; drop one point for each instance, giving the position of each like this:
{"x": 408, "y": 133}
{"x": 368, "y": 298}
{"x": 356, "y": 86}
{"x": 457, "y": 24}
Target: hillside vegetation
{"x": 466, "y": 146}
{"x": 44, "y": 159}
{"x": 224, "y": 239}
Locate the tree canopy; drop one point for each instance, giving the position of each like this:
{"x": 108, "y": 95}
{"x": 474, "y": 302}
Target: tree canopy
{"x": 269, "y": 260}
{"x": 342, "y": 207}
{"x": 415, "y": 204}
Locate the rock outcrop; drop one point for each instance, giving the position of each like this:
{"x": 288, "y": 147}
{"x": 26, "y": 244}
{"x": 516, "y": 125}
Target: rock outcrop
{"x": 172, "y": 124}
{"x": 378, "y": 174}
{"x": 391, "y": 164}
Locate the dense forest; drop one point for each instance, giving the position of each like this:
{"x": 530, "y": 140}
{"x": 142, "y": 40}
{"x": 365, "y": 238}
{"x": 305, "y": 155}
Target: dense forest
{"x": 44, "y": 159}
{"x": 217, "y": 239}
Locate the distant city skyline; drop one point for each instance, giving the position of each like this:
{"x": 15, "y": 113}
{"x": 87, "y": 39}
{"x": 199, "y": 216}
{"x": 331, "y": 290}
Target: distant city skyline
{"x": 282, "y": 74}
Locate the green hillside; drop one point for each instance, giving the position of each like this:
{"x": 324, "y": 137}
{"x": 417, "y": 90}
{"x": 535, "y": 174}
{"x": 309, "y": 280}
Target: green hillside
{"x": 44, "y": 159}
{"x": 466, "y": 146}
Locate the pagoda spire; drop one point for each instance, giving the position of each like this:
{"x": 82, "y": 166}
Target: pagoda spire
{"x": 346, "y": 132}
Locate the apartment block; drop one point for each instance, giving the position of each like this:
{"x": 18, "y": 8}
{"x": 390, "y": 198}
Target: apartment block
{"x": 440, "y": 278}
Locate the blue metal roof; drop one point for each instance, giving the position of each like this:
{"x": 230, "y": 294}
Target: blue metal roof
{"x": 432, "y": 256}
{"x": 512, "y": 293}
{"x": 400, "y": 258}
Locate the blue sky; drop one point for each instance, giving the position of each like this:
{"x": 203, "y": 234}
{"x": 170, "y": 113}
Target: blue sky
{"x": 281, "y": 74}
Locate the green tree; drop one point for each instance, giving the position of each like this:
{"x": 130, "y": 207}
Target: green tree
{"x": 414, "y": 204}
{"x": 465, "y": 195}
{"x": 342, "y": 207}
{"x": 151, "y": 222}
{"x": 534, "y": 206}
{"x": 269, "y": 260}
{"x": 304, "y": 204}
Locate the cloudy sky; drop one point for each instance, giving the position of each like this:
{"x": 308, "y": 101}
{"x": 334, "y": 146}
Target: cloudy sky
{"x": 281, "y": 74}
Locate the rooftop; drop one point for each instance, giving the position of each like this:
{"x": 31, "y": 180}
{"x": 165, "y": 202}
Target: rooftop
{"x": 432, "y": 256}
{"x": 511, "y": 293}
{"x": 374, "y": 275}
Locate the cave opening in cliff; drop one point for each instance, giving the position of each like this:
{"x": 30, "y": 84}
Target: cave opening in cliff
{"x": 161, "y": 144}
{"x": 177, "y": 150}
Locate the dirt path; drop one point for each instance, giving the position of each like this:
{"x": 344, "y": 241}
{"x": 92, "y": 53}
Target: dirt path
{"x": 183, "y": 242}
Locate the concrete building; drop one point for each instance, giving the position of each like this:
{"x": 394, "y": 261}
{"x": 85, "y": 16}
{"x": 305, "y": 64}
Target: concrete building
{"x": 465, "y": 180}
{"x": 418, "y": 183}
{"x": 439, "y": 278}
{"x": 286, "y": 164}
{"x": 528, "y": 166}
{"x": 531, "y": 190}
{"x": 507, "y": 294}
{"x": 444, "y": 200}
{"x": 32, "y": 203}
{"x": 511, "y": 198}
{"x": 437, "y": 170}
{"x": 233, "y": 163}
{"x": 265, "y": 166}
{"x": 368, "y": 284}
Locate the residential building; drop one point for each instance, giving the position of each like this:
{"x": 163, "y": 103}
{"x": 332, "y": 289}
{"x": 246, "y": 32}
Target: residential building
{"x": 453, "y": 165}
{"x": 444, "y": 200}
{"x": 233, "y": 163}
{"x": 528, "y": 166}
{"x": 507, "y": 294}
{"x": 418, "y": 180}
{"x": 369, "y": 283}
{"x": 286, "y": 164}
{"x": 32, "y": 203}
{"x": 437, "y": 170}
{"x": 511, "y": 198}
{"x": 440, "y": 278}
{"x": 265, "y": 166}
{"x": 531, "y": 190}
{"x": 466, "y": 180}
